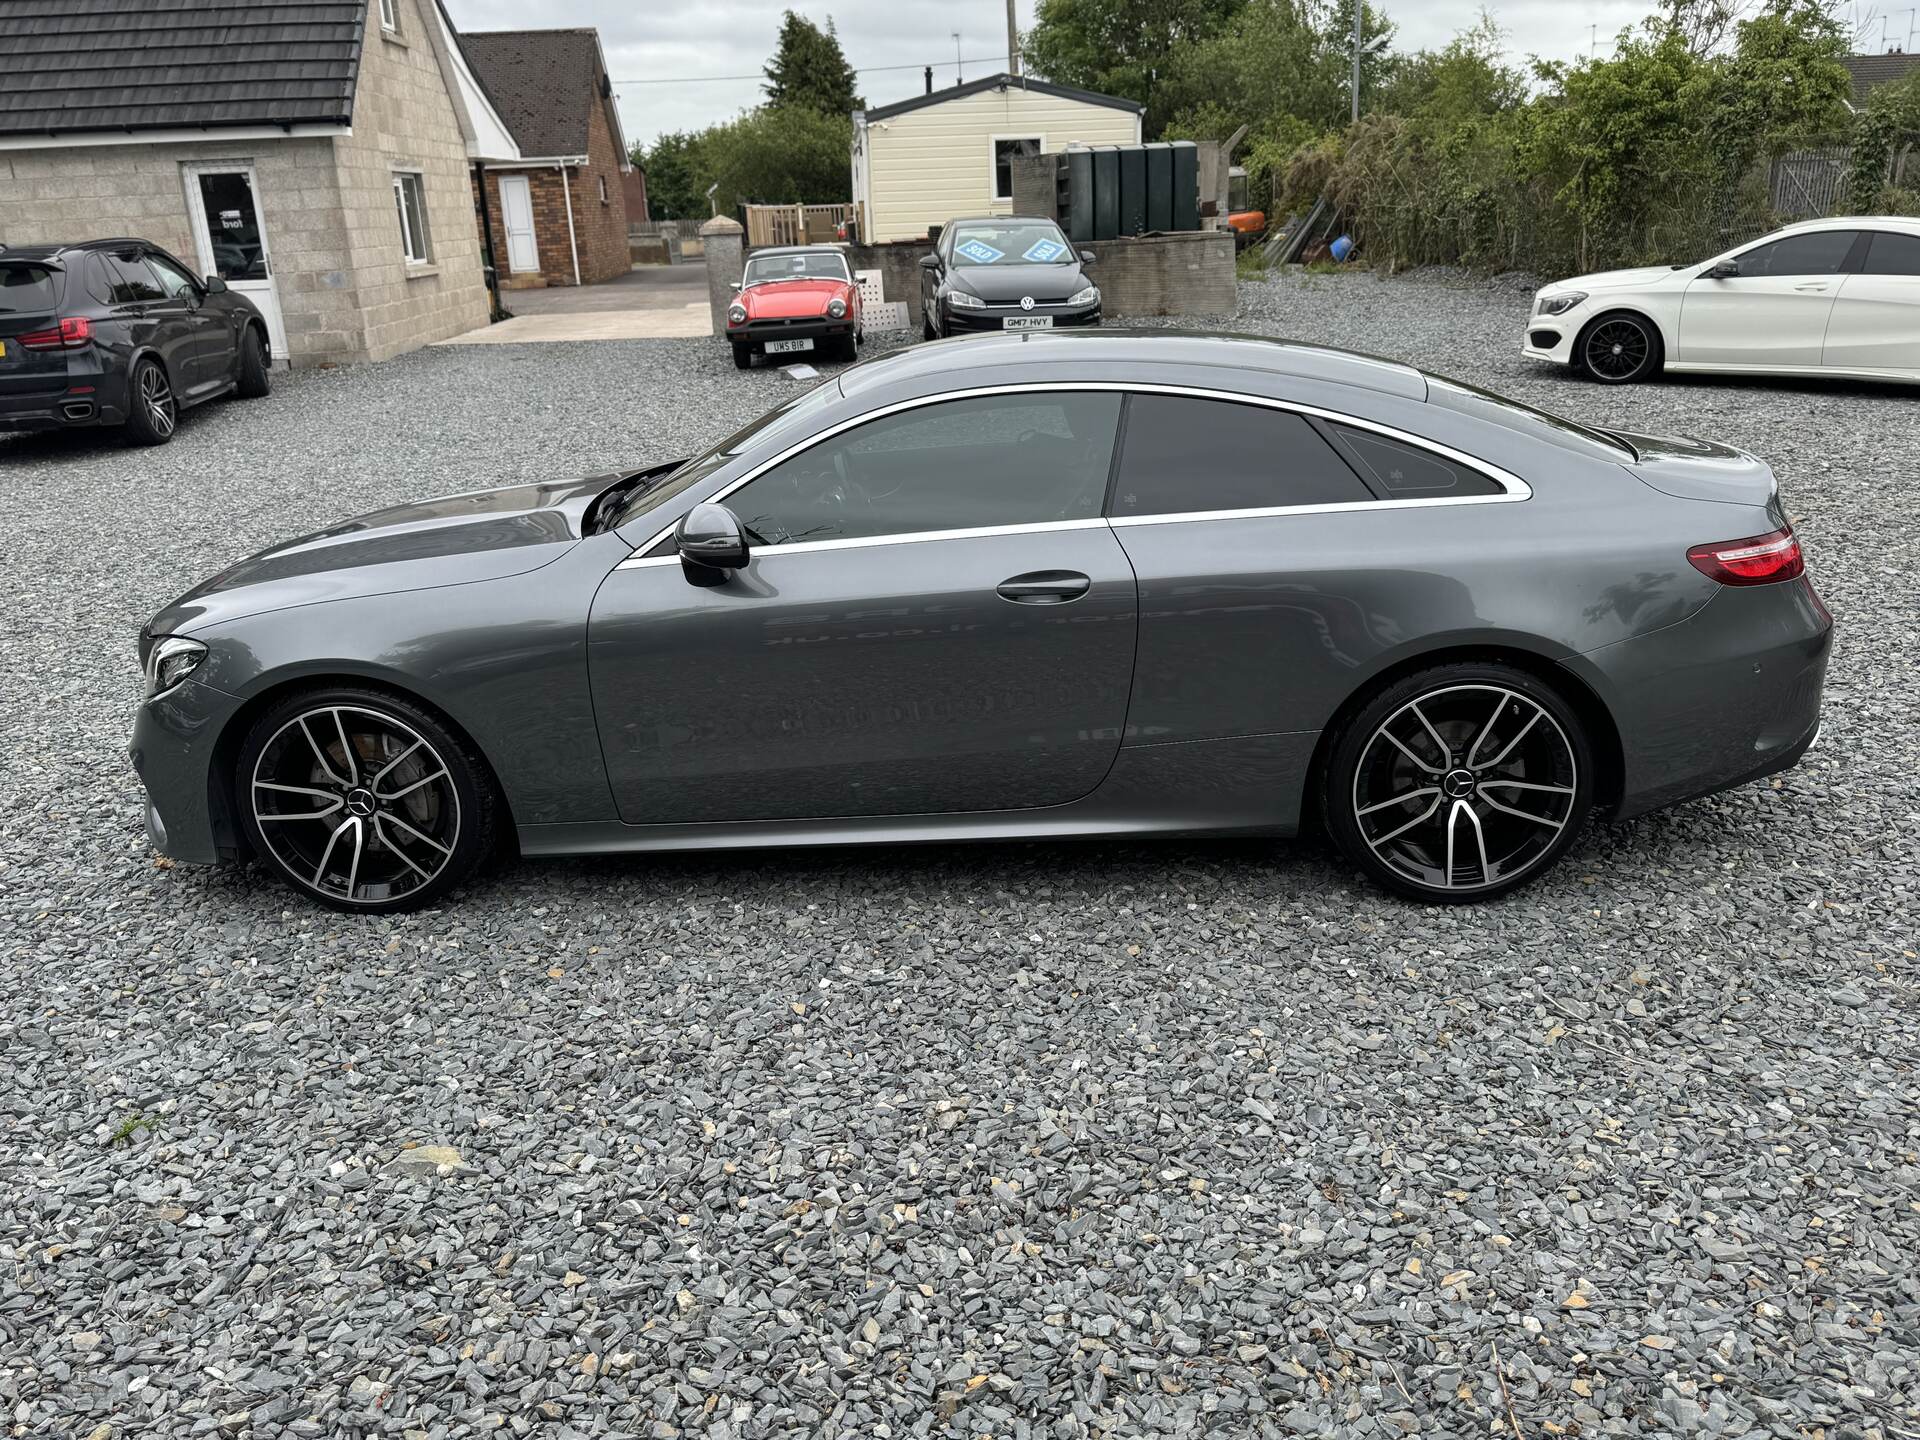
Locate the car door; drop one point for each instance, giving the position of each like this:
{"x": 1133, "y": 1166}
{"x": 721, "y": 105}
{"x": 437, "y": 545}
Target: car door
{"x": 1875, "y": 323}
{"x": 210, "y": 344}
{"x": 154, "y": 319}
{"x": 1773, "y": 311}
{"x": 934, "y": 619}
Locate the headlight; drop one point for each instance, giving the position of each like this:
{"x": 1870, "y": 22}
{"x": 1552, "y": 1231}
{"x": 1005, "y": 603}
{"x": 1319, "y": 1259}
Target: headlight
{"x": 736, "y": 314}
{"x": 1084, "y": 297}
{"x": 962, "y": 300}
{"x": 1558, "y": 304}
{"x": 170, "y": 661}
{"x": 836, "y": 307}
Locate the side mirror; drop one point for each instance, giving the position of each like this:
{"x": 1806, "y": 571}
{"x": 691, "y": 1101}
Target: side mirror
{"x": 929, "y": 262}
{"x": 736, "y": 284}
{"x": 711, "y": 543}
{"x": 1725, "y": 270}
{"x": 215, "y": 285}
{"x": 1087, "y": 257}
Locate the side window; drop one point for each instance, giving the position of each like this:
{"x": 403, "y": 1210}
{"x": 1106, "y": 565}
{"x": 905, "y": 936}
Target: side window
{"x": 1822, "y": 252}
{"x": 99, "y": 279}
{"x": 1406, "y": 472}
{"x": 1893, "y": 254}
{"x": 1185, "y": 454}
{"x": 133, "y": 283}
{"x": 175, "y": 281}
{"x": 955, "y": 465}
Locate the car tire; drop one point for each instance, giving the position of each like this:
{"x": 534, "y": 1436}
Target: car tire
{"x": 743, "y": 357}
{"x": 153, "y": 412}
{"x": 927, "y": 330}
{"x": 416, "y": 801}
{"x": 252, "y": 379}
{"x": 1482, "y": 757}
{"x": 1619, "y": 348}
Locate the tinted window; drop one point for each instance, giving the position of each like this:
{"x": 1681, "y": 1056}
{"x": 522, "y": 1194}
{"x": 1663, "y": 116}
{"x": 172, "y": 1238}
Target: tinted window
{"x": 133, "y": 283}
{"x": 172, "y": 278}
{"x": 960, "y": 465}
{"x": 1407, "y": 472}
{"x": 25, "y": 290}
{"x": 1183, "y": 454}
{"x": 1819, "y": 253}
{"x": 1891, "y": 254}
{"x": 1011, "y": 242}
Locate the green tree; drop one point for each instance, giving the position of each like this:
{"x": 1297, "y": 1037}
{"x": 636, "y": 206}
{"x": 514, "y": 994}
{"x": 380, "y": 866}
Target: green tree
{"x": 787, "y": 156}
{"x": 809, "y": 71}
{"x": 1122, "y": 47}
{"x": 672, "y": 164}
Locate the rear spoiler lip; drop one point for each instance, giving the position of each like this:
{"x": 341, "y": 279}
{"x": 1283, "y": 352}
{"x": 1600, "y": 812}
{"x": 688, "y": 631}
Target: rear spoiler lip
{"x": 44, "y": 264}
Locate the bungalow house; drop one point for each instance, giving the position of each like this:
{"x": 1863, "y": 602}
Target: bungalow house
{"x": 314, "y": 154}
{"x": 558, "y": 212}
{"x": 948, "y": 153}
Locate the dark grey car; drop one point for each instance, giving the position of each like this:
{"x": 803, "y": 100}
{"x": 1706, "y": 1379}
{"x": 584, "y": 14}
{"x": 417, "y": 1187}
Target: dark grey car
{"x": 1055, "y": 585}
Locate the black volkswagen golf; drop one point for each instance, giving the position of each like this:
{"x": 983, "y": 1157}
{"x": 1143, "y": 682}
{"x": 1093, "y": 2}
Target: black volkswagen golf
{"x": 1006, "y": 272}
{"x": 118, "y": 332}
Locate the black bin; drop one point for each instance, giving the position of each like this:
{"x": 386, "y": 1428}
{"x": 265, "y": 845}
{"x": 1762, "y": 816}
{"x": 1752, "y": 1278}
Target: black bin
{"x": 1186, "y": 185}
{"x": 1106, "y": 192}
{"x": 1074, "y": 192}
{"x": 1133, "y": 189}
{"x": 1159, "y": 186}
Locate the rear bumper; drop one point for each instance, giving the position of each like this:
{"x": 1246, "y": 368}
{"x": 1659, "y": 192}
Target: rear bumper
{"x": 88, "y": 395}
{"x": 1725, "y": 697}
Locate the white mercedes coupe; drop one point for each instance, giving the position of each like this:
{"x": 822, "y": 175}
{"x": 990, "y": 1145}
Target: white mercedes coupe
{"x": 1836, "y": 297}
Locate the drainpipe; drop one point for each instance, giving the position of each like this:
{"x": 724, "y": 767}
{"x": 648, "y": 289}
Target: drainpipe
{"x": 566, "y": 188}
{"x": 498, "y": 311}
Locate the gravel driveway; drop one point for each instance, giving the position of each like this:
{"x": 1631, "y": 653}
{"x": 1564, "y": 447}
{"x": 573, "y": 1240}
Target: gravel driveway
{"x": 1038, "y": 1140}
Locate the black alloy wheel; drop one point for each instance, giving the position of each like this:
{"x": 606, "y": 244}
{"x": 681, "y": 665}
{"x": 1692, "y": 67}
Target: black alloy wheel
{"x": 364, "y": 801}
{"x": 1459, "y": 783}
{"x": 1619, "y": 349}
{"x": 152, "y": 412}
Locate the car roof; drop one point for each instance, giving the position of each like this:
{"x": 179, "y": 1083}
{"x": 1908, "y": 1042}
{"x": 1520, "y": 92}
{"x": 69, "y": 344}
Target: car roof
{"x": 1107, "y": 347}
{"x": 797, "y": 250}
{"x": 1002, "y": 220}
{"x": 1908, "y": 223}
{"x": 57, "y": 248}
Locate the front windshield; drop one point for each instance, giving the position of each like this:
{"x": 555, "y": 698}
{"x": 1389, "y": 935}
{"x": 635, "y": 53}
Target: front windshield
{"x": 797, "y": 265}
{"x": 1015, "y": 242}
{"x": 792, "y": 416}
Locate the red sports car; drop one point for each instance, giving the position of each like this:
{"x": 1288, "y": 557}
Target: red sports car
{"x": 795, "y": 299}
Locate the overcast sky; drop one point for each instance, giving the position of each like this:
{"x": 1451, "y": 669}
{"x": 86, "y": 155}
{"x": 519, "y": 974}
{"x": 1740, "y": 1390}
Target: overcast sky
{"x": 683, "y": 41}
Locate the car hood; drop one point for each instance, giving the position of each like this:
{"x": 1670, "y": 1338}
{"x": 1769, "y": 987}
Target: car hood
{"x": 1006, "y": 284}
{"x": 454, "y": 540}
{"x": 1613, "y": 279}
{"x": 784, "y": 299}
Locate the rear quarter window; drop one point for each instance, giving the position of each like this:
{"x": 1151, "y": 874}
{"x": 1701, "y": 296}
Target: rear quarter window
{"x": 1408, "y": 472}
{"x": 28, "y": 289}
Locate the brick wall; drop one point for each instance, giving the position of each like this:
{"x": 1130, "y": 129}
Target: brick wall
{"x": 599, "y": 227}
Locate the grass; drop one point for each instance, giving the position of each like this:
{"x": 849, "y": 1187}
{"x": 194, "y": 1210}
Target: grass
{"x": 133, "y": 1122}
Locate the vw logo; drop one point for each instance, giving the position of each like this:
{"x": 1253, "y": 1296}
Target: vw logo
{"x": 1026, "y": 302}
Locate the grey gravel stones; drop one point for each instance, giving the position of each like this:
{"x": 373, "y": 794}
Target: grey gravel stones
{"x": 1023, "y": 1141}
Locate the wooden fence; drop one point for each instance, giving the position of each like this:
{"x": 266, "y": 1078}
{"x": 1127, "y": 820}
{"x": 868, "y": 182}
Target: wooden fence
{"x": 796, "y": 224}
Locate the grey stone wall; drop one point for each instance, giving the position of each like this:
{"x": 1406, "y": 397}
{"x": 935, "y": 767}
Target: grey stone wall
{"x": 1190, "y": 273}
{"x": 724, "y": 240}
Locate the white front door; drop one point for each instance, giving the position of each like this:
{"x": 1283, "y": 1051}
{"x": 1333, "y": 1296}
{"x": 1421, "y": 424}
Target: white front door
{"x": 516, "y": 212}
{"x": 230, "y": 230}
{"x": 1773, "y": 310}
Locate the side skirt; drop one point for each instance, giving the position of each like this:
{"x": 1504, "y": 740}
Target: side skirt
{"x": 1249, "y": 784}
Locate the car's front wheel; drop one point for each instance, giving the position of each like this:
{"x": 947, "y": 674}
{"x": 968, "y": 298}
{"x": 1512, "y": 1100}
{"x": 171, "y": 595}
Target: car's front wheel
{"x": 152, "y": 412}
{"x": 1619, "y": 348}
{"x": 1459, "y": 783}
{"x": 363, "y": 800}
{"x": 743, "y": 357}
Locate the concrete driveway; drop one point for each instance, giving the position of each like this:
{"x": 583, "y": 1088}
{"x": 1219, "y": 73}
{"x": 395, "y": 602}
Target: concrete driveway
{"x": 649, "y": 302}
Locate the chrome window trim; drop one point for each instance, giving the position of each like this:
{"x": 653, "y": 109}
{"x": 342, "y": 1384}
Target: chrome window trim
{"x": 911, "y": 537}
{"x": 1516, "y": 489}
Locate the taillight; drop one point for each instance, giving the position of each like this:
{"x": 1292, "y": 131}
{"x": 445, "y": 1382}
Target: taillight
{"x": 73, "y": 333}
{"x": 1756, "y": 560}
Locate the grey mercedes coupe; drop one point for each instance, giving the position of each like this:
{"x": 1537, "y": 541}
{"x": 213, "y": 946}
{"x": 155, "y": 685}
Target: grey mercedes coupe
{"x": 1047, "y": 585}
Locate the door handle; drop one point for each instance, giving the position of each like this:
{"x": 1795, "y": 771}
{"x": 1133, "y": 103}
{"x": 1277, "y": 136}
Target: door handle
{"x": 1822, "y": 286}
{"x": 1044, "y": 587}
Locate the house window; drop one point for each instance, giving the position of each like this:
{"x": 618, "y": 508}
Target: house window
{"x": 410, "y": 199}
{"x": 1004, "y": 151}
{"x": 390, "y": 16}
{"x": 603, "y": 190}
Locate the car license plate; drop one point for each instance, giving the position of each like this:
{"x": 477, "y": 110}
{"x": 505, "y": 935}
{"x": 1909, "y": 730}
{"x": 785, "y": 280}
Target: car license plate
{"x": 784, "y": 347}
{"x": 1029, "y": 322}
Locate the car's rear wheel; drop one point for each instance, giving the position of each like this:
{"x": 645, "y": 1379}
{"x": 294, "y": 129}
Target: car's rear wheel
{"x": 364, "y": 801}
{"x": 1619, "y": 348}
{"x": 743, "y": 357}
{"x": 252, "y": 382}
{"x": 152, "y": 412}
{"x": 1459, "y": 783}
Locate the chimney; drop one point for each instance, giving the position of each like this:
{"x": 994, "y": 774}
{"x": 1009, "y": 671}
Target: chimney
{"x": 929, "y": 79}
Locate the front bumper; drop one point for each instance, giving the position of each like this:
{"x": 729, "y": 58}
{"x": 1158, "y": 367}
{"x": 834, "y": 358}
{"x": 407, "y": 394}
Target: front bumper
{"x": 820, "y": 327}
{"x": 173, "y": 749}
{"x": 957, "y": 321}
{"x": 1550, "y": 338}
{"x": 1728, "y": 695}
